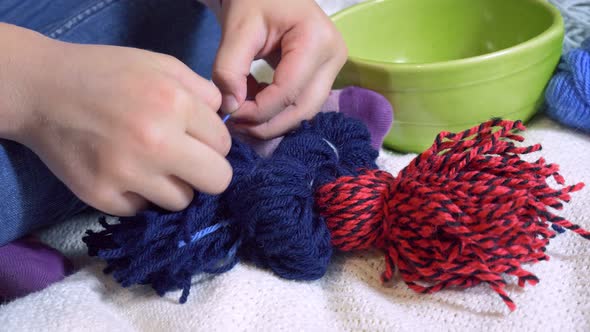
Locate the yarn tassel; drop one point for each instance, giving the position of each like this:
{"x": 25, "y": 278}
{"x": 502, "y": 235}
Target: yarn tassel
{"x": 160, "y": 248}
{"x": 466, "y": 211}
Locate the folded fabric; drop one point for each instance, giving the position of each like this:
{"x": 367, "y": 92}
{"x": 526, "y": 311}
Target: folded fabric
{"x": 28, "y": 265}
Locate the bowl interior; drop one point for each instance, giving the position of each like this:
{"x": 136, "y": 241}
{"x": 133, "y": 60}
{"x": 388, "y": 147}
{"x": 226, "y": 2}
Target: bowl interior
{"x": 426, "y": 31}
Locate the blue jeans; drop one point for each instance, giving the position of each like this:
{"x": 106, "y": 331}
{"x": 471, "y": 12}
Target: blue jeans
{"x": 30, "y": 195}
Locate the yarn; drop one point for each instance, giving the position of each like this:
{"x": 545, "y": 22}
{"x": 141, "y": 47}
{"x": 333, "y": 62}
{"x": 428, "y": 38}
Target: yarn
{"x": 274, "y": 204}
{"x": 568, "y": 92}
{"x": 576, "y": 16}
{"x": 156, "y": 247}
{"x": 466, "y": 211}
{"x": 266, "y": 216}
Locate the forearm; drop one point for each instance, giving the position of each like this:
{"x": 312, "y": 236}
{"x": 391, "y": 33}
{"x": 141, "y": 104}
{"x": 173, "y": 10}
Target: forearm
{"x": 20, "y": 55}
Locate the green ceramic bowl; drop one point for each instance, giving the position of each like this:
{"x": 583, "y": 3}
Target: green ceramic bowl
{"x": 451, "y": 64}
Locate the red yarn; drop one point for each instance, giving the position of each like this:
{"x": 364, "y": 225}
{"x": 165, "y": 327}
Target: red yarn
{"x": 467, "y": 210}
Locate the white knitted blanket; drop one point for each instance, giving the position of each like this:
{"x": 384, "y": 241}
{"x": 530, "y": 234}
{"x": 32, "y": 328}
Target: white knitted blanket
{"x": 349, "y": 298}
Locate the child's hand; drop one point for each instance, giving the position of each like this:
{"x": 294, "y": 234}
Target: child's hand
{"x": 122, "y": 126}
{"x": 298, "y": 39}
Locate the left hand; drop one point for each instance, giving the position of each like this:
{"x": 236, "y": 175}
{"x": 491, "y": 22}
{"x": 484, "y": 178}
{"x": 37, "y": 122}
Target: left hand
{"x": 295, "y": 37}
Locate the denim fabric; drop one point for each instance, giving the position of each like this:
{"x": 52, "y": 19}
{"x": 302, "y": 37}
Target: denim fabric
{"x": 30, "y": 195}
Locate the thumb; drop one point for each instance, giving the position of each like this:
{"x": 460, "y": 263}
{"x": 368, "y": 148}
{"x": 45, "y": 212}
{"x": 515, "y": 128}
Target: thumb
{"x": 240, "y": 44}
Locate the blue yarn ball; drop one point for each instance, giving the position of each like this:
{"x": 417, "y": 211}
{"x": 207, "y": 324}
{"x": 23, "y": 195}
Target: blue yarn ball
{"x": 568, "y": 92}
{"x": 266, "y": 216}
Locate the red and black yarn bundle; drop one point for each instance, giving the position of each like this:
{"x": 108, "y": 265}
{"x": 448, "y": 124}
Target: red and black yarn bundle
{"x": 466, "y": 211}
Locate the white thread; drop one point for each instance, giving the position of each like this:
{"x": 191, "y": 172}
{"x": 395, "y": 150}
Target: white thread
{"x": 335, "y": 152}
{"x": 333, "y": 147}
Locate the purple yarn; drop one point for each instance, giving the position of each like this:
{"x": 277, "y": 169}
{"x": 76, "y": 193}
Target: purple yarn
{"x": 266, "y": 216}
{"x": 568, "y": 92}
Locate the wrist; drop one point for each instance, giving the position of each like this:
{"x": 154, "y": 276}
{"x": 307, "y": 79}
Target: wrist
{"x": 21, "y": 65}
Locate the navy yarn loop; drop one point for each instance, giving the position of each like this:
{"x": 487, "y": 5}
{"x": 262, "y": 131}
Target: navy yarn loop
{"x": 315, "y": 140}
{"x": 568, "y": 92}
{"x": 266, "y": 216}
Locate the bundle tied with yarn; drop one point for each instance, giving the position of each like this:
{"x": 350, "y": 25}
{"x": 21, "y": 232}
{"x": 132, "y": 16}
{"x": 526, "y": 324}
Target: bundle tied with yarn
{"x": 466, "y": 211}
{"x": 576, "y": 17}
{"x": 568, "y": 92}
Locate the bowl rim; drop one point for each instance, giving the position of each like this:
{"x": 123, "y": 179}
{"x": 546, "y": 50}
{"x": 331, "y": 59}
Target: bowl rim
{"x": 556, "y": 28}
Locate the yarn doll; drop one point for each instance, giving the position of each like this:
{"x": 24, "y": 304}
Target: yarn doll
{"x": 466, "y": 211}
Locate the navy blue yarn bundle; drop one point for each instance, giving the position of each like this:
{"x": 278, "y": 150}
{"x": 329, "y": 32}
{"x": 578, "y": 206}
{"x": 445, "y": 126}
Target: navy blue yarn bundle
{"x": 266, "y": 216}
{"x": 568, "y": 92}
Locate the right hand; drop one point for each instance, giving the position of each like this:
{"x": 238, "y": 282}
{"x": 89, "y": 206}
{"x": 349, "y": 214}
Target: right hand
{"x": 122, "y": 127}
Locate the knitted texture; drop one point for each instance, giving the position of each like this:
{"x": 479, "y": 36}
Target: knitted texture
{"x": 568, "y": 92}
{"x": 266, "y": 216}
{"x": 466, "y": 211}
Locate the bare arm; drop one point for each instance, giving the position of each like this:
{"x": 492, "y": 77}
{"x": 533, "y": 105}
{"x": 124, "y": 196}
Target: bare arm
{"x": 20, "y": 55}
{"x": 120, "y": 126}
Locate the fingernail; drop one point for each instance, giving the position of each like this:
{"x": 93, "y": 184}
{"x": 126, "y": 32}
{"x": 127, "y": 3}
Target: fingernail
{"x": 229, "y": 104}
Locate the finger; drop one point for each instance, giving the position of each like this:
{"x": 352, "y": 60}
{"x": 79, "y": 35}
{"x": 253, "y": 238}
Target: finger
{"x": 294, "y": 72}
{"x": 240, "y": 43}
{"x": 204, "y": 89}
{"x": 168, "y": 192}
{"x": 198, "y": 165}
{"x": 125, "y": 204}
{"x": 207, "y": 127}
{"x": 311, "y": 100}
